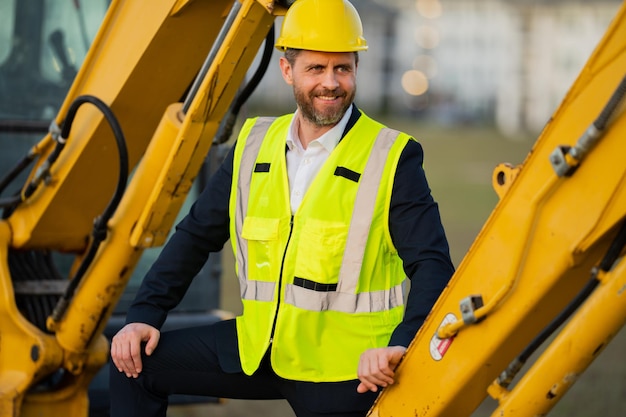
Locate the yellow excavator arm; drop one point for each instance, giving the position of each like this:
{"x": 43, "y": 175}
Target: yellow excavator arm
{"x": 548, "y": 265}
{"x": 110, "y": 178}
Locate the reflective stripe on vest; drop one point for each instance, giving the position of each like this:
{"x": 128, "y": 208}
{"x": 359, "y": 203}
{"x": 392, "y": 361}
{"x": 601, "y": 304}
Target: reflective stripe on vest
{"x": 250, "y": 290}
{"x": 344, "y": 299}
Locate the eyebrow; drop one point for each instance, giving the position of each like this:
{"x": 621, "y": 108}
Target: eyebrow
{"x": 340, "y": 65}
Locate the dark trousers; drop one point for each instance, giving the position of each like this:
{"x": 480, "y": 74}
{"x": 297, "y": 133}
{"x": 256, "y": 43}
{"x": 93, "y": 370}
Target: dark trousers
{"x": 205, "y": 361}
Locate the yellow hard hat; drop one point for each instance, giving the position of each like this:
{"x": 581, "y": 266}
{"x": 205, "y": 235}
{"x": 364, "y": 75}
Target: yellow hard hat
{"x": 322, "y": 25}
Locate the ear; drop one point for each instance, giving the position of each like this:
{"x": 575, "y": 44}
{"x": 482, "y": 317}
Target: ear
{"x": 286, "y": 70}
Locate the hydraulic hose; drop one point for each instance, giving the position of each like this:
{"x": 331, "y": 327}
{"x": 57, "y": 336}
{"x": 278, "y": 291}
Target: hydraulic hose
{"x": 43, "y": 171}
{"x": 603, "y": 119}
{"x": 119, "y": 140}
{"x": 565, "y": 159}
{"x": 10, "y": 176}
{"x": 16, "y": 170}
{"x": 507, "y": 376}
{"x": 596, "y": 129}
{"x": 228, "y": 123}
{"x": 99, "y": 231}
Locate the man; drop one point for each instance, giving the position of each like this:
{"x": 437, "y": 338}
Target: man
{"x": 328, "y": 211}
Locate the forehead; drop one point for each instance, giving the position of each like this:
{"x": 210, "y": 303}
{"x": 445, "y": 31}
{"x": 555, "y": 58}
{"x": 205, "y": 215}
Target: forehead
{"x": 325, "y": 58}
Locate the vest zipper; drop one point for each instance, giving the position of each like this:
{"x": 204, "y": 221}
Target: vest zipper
{"x": 280, "y": 280}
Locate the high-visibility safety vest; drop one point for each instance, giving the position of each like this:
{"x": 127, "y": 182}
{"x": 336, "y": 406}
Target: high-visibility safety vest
{"x": 324, "y": 285}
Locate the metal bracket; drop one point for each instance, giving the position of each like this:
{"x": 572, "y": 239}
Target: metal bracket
{"x": 468, "y": 307}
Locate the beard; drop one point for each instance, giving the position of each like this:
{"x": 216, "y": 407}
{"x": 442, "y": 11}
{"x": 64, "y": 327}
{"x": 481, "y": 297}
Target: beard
{"x": 330, "y": 115}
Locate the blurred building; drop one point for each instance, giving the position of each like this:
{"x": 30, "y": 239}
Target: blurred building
{"x": 502, "y": 62}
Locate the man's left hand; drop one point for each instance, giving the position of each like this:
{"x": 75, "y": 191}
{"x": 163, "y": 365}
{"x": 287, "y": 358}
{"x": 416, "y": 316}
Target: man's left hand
{"x": 377, "y": 367}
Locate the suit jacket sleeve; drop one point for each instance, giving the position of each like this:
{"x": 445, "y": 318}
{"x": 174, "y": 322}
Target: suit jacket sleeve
{"x": 419, "y": 237}
{"x": 203, "y": 230}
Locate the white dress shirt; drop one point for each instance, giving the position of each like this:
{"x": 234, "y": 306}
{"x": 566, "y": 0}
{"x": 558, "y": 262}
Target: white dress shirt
{"x": 303, "y": 164}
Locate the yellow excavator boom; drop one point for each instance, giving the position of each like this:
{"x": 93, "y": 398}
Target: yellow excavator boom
{"x": 137, "y": 124}
{"x": 550, "y": 256}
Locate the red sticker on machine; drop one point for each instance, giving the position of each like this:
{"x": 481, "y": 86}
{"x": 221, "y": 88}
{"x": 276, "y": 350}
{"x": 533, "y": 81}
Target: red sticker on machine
{"x": 439, "y": 347}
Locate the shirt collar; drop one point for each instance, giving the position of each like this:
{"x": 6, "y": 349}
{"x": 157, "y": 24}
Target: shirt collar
{"x": 328, "y": 140}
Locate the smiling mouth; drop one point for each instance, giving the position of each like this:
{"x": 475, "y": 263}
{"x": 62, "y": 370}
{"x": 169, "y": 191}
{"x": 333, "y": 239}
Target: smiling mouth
{"x": 328, "y": 95}
{"x": 329, "y": 98}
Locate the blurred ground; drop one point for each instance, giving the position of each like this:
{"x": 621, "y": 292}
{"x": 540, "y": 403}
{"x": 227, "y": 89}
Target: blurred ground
{"x": 235, "y": 408}
{"x": 459, "y": 164}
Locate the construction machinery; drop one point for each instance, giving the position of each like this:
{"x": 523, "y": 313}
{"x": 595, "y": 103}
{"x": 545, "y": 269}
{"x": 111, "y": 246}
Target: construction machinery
{"x": 112, "y": 148}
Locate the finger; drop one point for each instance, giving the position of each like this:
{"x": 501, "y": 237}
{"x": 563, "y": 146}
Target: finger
{"x": 385, "y": 372}
{"x": 369, "y": 375}
{"x": 371, "y": 371}
{"x": 363, "y": 388}
{"x": 380, "y": 380}
{"x": 125, "y": 342}
{"x": 363, "y": 373}
{"x": 367, "y": 385}
{"x": 114, "y": 355}
{"x": 117, "y": 354}
{"x": 397, "y": 354}
{"x": 127, "y": 365}
{"x": 135, "y": 358}
{"x": 153, "y": 340}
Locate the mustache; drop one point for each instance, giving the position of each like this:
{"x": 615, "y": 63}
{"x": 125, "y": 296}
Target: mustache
{"x": 337, "y": 92}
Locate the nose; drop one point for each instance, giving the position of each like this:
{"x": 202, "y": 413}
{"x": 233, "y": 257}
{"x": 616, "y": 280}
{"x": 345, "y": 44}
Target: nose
{"x": 329, "y": 80}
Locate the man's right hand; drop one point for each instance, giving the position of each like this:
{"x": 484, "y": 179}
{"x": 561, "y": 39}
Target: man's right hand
{"x": 126, "y": 347}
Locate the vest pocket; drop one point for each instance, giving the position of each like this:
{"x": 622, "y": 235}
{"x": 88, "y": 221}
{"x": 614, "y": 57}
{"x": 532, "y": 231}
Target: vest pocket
{"x": 320, "y": 251}
{"x": 261, "y": 236}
